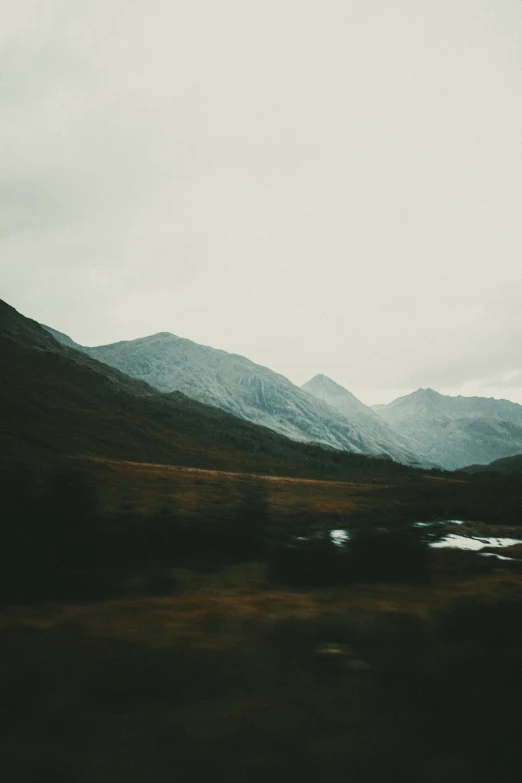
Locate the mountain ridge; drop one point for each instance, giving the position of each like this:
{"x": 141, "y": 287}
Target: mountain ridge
{"x": 458, "y": 431}
{"x": 332, "y": 393}
{"x": 60, "y": 403}
{"x": 505, "y": 465}
{"x": 424, "y": 427}
{"x": 243, "y": 388}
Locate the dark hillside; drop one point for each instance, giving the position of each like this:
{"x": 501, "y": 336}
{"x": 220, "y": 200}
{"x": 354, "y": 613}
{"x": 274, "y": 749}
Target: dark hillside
{"x": 505, "y": 465}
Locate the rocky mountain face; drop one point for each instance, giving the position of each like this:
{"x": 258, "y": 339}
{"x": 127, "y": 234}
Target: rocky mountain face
{"x": 249, "y": 391}
{"x": 455, "y": 432}
{"x": 338, "y": 397}
{"x": 424, "y": 428}
{"x": 349, "y": 406}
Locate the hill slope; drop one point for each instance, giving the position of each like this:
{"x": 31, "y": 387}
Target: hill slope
{"x": 507, "y": 465}
{"x": 247, "y": 390}
{"x": 455, "y": 432}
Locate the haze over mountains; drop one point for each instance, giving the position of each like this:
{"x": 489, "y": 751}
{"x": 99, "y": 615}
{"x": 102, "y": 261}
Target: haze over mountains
{"x": 252, "y": 392}
{"x": 455, "y": 432}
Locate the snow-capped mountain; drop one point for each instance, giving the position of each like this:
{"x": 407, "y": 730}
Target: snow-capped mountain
{"x": 247, "y": 390}
{"x": 457, "y": 431}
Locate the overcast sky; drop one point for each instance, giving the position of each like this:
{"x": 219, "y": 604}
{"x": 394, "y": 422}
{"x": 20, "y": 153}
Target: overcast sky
{"x": 325, "y": 187}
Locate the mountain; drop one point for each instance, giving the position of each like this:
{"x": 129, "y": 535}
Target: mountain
{"x": 338, "y": 397}
{"x": 247, "y": 390}
{"x": 507, "y": 465}
{"x": 455, "y": 432}
{"x": 58, "y": 402}
{"x": 347, "y": 404}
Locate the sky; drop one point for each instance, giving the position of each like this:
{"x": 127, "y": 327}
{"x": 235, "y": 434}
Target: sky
{"x": 325, "y": 187}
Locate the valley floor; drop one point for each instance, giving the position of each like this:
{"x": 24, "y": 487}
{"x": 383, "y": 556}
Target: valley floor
{"x": 231, "y": 679}
{"x": 145, "y": 485}
{"x": 231, "y": 675}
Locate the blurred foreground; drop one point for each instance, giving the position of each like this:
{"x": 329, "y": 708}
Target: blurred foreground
{"x": 230, "y": 679}
{"x": 218, "y": 632}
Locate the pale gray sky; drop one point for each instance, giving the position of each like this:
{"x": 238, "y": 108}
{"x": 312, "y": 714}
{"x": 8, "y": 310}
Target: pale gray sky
{"x": 329, "y": 186}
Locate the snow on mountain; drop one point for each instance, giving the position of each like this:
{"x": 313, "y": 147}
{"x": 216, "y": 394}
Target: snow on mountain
{"x": 247, "y": 390}
{"x": 346, "y": 403}
{"x": 457, "y": 431}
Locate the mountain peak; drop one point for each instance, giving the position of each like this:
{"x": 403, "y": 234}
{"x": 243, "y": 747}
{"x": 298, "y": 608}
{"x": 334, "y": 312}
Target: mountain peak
{"x": 248, "y": 390}
{"x": 421, "y": 399}
{"x": 322, "y": 380}
{"x": 324, "y": 388}
{"x": 321, "y": 386}
{"x": 457, "y": 431}
{"x": 426, "y": 392}
{"x": 149, "y": 339}
{"x": 158, "y": 336}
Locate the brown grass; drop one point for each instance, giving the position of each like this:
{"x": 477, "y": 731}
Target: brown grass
{"x": 225, "y": 682}
{"x": 146, "y": 485}
{"x": 222, "y": 610}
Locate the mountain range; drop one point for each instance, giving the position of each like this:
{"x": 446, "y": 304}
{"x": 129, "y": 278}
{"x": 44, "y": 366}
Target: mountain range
{"x": 226, "y": 402}
{"x": 60, "y": 403}
{"x": 252, "y": 392}
{"x": 455, "y": 432}
{"x": 423, "y": 428}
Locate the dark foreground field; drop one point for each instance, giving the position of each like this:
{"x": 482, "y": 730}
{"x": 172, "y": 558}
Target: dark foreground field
{"x": 168, "y": 624}
{"x": 231, "y": 680}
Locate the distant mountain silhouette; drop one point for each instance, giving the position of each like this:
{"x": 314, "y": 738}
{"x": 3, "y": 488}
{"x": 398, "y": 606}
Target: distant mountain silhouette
{"x": 455, "y": 432}
{"x": 507, "y": 465}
